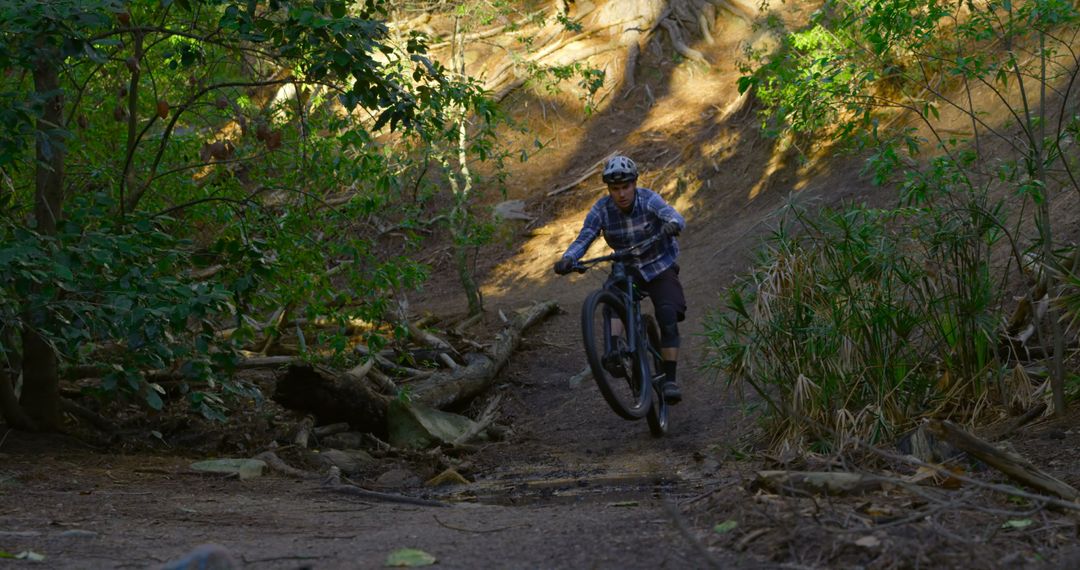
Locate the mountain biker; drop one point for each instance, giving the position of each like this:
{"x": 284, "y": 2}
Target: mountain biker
{"x": 627, "y": 216}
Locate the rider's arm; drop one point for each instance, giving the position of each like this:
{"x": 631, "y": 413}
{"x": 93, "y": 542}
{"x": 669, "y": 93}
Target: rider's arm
{"x": 589, "y": 232}
{"x": 663, "y": 210}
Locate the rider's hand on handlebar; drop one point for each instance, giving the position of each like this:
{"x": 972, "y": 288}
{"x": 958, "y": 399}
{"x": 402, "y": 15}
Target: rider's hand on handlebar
{"x": 564, "y": 266}
{"x": 671, "y": 228}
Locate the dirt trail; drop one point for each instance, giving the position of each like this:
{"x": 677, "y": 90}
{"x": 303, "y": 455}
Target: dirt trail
{"x": 574, "y": 486}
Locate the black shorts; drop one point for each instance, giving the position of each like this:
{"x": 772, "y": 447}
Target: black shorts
{"x": 664, "y": 290}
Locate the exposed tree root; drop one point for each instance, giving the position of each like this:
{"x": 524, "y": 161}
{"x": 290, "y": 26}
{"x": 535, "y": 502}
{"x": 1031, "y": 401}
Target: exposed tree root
{"x": 338, "y": 484}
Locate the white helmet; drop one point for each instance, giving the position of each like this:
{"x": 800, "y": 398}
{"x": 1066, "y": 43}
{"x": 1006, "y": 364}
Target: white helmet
{"x": 619, "y": 169}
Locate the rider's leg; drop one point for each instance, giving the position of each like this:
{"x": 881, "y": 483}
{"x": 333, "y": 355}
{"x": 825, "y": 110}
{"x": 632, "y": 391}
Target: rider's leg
{"x": 617, "y": 328}
{"x": 613, "y": 360}
{"x": 669, "y": 335}
{"x": 669, "y": 303}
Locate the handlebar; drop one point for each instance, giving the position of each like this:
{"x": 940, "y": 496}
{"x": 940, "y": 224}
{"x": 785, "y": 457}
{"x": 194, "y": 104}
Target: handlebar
{"x": 582, "y": 266}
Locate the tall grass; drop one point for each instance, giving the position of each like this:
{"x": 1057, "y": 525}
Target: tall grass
{"x": 861, "y": 320}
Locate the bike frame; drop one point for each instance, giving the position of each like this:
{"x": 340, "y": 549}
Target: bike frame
{"x": 634, "y": 326}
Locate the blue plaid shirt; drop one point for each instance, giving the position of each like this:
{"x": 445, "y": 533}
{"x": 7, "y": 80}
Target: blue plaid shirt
{"x": 621, "y": 231}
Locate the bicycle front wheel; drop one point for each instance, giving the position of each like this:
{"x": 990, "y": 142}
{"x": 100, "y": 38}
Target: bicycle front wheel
{"x": 614, "y": 364}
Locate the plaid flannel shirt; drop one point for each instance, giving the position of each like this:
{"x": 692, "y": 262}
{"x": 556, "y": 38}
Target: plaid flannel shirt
{"x": 621, "y": 231}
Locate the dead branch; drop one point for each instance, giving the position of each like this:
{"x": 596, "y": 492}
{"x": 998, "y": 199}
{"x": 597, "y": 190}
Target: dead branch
{"x": 520, "y": 24}
{"x": 465, "y": 324}
{"x": 418, "y": 334}
{"x": 205, "y": 273}
{"x": 385, "y": 384}
{"x": 1035, "y": 411}
{"x": 85, "y": 414}
{"x": 303, "y": 432}
{"x": 361, "y": 370}
{"x": 264, "y": 362}
{"x": 271, "y": 327}
{"x": 583, "y": 177}
{"x": 449, "y": 362}
{"x": 1014, "y": 466}
{"x": 482, "y": 422}
{"x": 815, "y": 482}
{"x": 331, "y": 429}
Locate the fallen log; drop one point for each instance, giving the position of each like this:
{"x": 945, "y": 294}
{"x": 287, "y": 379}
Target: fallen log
{"x": 333, "y": 396}
{"x": 1016, "y": 467}
{"x": 463, "y": 384}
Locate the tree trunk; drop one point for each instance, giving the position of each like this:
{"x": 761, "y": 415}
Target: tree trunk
{"x": 10, "y": 411}
{"x": 41, "y": 388}
{"x": 468, "y": 283}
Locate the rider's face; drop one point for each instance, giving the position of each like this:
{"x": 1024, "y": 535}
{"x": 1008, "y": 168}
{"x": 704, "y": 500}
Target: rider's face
{"x": 623, "y": 194}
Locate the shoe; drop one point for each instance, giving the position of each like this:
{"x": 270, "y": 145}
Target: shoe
{"x": 671, "y": 392}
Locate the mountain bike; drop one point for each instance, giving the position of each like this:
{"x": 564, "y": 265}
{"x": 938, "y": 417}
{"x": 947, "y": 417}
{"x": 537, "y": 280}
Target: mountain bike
{"x": 627, "y": 367}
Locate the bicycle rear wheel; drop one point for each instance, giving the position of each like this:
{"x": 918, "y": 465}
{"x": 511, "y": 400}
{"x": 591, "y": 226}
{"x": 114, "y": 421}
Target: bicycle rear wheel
{"x": 657, "y": 417}
{"x": 615, "y": 369}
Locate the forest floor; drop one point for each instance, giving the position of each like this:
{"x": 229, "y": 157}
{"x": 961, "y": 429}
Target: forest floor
{"x": 572, "y": 485}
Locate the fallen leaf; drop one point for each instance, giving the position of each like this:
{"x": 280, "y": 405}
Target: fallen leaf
{"x": 726, "y": 526}
{"x": 1017, "y": 523}
{"x": 869, "y": 541}
{"x": 623, "y": 504}
{"x": 30, "y": 555}
{"x": 447, "y": 477}
{"x": 409, "y": 558}
{"x": 875, "y": 510}
{"x": 242, "y": 468}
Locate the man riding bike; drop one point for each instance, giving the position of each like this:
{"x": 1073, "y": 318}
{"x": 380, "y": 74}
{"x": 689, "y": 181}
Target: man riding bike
{"x": 629, "y": 215}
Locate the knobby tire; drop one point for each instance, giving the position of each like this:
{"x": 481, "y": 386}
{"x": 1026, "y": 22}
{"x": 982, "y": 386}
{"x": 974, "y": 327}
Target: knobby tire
{"x": 629, "y": 398}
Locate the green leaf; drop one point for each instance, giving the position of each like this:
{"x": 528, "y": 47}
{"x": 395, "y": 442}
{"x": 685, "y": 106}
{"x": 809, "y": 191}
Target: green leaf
{"x": 1017, "y": 524}
{"x": 63, "y": 272}
{"x": 724, "y": 527}
{"x": 409, "y": 558}
{"x": 153, "y": 399}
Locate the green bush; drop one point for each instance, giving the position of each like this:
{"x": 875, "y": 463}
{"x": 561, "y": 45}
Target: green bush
{"x": 104, "y": 291}
{"x": 858, "y": 321}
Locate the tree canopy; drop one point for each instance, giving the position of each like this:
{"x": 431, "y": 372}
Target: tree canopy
{"x": 173, "y": 168}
